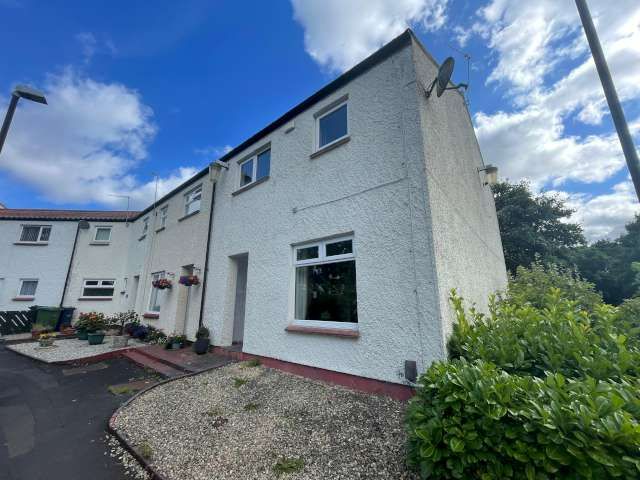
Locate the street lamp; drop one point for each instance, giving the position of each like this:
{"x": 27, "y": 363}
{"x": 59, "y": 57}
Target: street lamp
{"x": 21, "y": 91}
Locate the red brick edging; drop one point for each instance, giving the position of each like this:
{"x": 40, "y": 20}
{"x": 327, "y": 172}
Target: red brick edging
{"x": 362, "y": 384}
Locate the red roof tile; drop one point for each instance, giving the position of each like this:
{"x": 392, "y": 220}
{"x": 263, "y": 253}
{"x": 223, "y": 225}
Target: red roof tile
{"x": 38, "y": 214}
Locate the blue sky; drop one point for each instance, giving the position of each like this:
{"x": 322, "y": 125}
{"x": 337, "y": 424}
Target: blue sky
{"x": 136, "y": 90}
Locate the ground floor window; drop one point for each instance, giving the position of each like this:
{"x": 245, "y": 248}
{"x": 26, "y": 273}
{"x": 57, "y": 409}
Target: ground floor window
{"x": 98, "y": 288}
{"x": 325, "y": 281}
{"x": 28, "y": 288}
{"x": 154, "y": 297}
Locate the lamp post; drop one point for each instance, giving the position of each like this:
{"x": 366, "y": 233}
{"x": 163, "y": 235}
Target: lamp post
{"x": 617, "y": 114}
{"x": 21, "y": 91}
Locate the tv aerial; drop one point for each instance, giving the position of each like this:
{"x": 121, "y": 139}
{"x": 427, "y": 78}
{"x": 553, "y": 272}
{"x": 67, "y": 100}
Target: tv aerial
{"x": 441, "y": 82}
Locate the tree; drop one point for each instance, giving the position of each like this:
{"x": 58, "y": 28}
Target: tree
{"x": 609, "y": 264}
{"x": 534, "y": 227}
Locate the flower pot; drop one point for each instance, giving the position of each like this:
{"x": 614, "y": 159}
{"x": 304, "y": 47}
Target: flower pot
{"x": 201, "y": 346}
{"x": 176, "y": 345}
{"x": 119, "y": 341}
{"x": 46, "y": 342}
{"x": 95, "y": 338}
{"x": 82, "y": 334}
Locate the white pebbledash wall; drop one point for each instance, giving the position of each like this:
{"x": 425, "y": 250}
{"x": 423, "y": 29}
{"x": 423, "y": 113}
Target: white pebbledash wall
{"x": 46, "y": 263}
{"x": 99, "y": 261}
{"x": 182, "y": 243}
{"x": 373, "y": 186}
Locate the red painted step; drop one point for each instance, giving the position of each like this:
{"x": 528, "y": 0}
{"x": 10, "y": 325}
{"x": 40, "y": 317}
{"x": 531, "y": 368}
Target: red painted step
{"x": 148, "y": 362}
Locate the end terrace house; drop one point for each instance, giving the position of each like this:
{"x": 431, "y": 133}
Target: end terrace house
{"x": 329, "y": 239}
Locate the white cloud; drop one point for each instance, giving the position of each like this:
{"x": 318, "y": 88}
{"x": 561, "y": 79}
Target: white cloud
{"x": 91, "y": 46}
{"x": 544, "y": 67}
{"x": 604, "y": 216}
{"x": 338, "y": 34}
{"x": 213, "y": 152}
{"x": 84, "y": 145}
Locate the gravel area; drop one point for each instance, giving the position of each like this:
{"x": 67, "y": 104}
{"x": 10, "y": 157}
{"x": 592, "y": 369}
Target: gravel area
{"x": 131, "y": 466}
{"x": 243, "y": 422}
{"x": 68, "y": 349}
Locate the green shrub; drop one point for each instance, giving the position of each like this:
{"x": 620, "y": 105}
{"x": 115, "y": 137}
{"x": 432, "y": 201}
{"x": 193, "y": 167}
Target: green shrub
{"x": 558, "y": 337}
{"x": 628, "y": 320}
{"x": 474, "y": 420}
{"x": 531, "y": 286}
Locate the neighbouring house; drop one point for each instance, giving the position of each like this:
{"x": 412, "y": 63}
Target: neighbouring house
{"x": 330, "y": 239}
{"x": 38, "y": 249}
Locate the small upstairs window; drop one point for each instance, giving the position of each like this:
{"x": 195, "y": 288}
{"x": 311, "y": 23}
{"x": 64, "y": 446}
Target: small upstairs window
{"x": 164, "y": 213}
{"x": 35, "y": 233}
{"x": 103, "y": 235}
{"x": 192, "y": 200}
{"x": 255, "y": 168}
{"x": 27, "y": 288}
{"x": 332, "y": 126}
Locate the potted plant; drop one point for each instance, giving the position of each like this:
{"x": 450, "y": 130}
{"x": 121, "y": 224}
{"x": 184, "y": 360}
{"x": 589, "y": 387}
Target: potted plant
{"x": 38, "y": 329}
{"x": 201, "y": 345}
{"x": 162, "y": 283}
{"x": 175, "y": 342}
{"x": 46, "y": 340}
{"x": 81, "y": 326}
{"x": 119, "y": 320}
{"x": 95, "y": 325}
{"x": 189, "y": 280}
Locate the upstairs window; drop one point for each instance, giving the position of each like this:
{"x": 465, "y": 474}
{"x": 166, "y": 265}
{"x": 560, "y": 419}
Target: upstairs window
{"x": 27, "y": 288}
{"x": 103, "y": 235}
{"x": 164, "y": 212}
{"x": 192, "y": 200}
{"x": 255, "y": 168}
{"x": 332, "y": 126}
{"x": 325, "y": 285}
{"x": 35, "y": 233}
{"x": 98, "y": 288}
{"x": 145, "y": 226}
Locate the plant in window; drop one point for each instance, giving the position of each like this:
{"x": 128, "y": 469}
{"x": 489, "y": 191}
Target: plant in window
{"x": 162, "y": 283}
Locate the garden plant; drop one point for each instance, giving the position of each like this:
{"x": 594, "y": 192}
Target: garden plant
{"x": 545, "y": 386}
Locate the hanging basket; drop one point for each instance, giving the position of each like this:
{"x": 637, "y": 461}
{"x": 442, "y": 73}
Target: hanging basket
{"x": 162, "y": 284}
{"x": 189, "y": 280}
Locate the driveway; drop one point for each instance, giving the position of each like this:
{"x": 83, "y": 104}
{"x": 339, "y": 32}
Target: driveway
{"x": 53, "y": 418}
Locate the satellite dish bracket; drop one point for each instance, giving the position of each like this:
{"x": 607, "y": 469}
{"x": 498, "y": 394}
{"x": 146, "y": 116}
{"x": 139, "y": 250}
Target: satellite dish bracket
{"x": 454, "y": 87}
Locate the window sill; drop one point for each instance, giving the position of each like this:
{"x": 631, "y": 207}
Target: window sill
{"x": 160, "y": 229}
{"x": 94, "y": 299}
{"x": 23, "y": 299}
{"x": 99, "y": 243}
{"x": 189, "y": 215}
{"x": 142, "y": 237}
{"x": 34, "y": 244}
{"x": 249, "y": 186}
{"x": 150, "y": 315}
{"x": 336, "y": 332}
{"x": 330, "y": 147}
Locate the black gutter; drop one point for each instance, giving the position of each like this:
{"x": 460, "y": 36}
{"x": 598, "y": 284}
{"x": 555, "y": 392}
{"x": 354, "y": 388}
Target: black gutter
{"x": 73, "y": 253}
{"x": 206, "y": 256}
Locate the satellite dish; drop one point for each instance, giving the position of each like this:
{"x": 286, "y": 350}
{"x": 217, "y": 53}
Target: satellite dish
{"x": 83, "y": 225}
{"x": 443, "y": 78}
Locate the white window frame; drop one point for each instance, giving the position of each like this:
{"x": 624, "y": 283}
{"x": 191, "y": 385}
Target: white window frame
{"x": 98, "y": 285}
{"x": 39, "y": 241}
{"x": 27, "y": 297}
{"x": 188, "y": 200}
{"x": 155, "y": 276}
{"x": 324, "y": 114}
{"x": 322, "y": 259}
{"x": 102, "y": 227}
{"x": 164, "y": 213}
{"x": 254, "y": 170}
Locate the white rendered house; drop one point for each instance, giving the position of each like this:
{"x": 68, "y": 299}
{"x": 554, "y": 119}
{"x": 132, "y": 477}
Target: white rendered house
{"x": 329, "y": 239}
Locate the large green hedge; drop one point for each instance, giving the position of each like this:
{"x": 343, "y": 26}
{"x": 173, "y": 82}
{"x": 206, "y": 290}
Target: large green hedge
{"x": 545, "y": 386}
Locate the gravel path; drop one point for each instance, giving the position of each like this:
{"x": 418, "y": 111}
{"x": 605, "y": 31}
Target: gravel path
{"x": 68, "y": 349}
{"x": 242, "y": 422}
